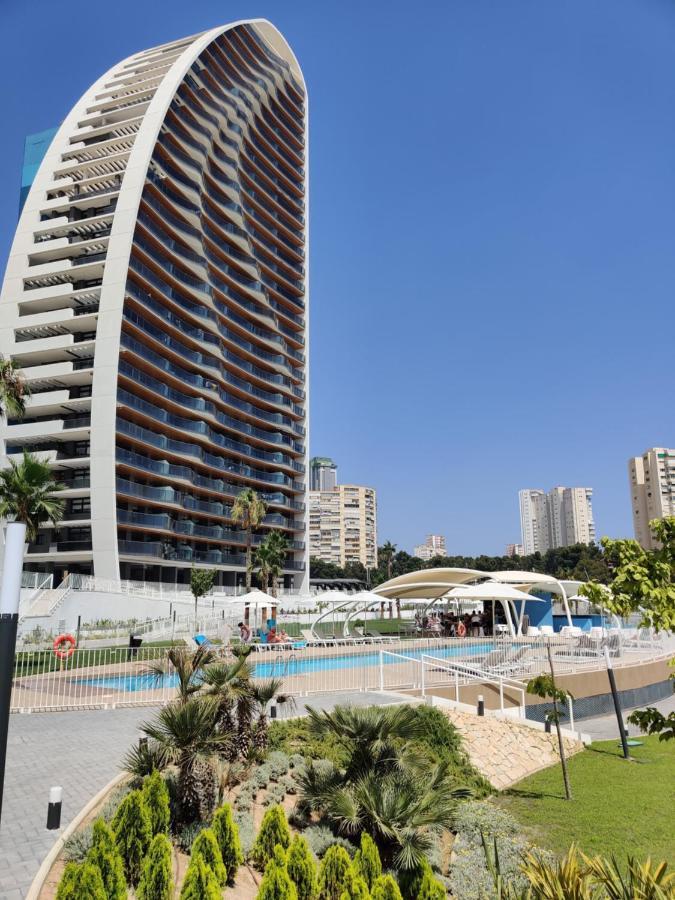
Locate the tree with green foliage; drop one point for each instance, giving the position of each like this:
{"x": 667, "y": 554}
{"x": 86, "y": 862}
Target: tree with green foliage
{"x": 106, "y": 857}
{"x": 653, "y": 721}
{"x": 81, "y": 882}
{"x": 367, "y": 861}
{"x": 27, "y": 489}
{"x": 385, "y": 888}
{"x": 206, "y": 846}
{"x": 430, "y": 887}
{"x": 13, "y": 389}
{"x": 544, "y": 686}
{"x": 335, "y": 874}
{"x": 302, "y": 869}
{"x": 200, "y": 883}
{"x": 156, "y": 795}
{"x": 133, "y": 833}
{"x": 157, "y": 877}
{"x": 248, "y": 510}
{"x": 269, "y": 558}
{"x": 276, "y": 883}
{"x": 273, "y": 830}
{"x": 643, "y": 581}
{"x": 201, "y": 582}
{"x": 227, "y": 835}
{"x": 184, "y": 666}
{"x": 358, "y": 890}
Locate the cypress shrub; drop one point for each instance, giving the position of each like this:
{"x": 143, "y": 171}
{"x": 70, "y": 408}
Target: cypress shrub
{"x": 357, "y": 891}
{"x": 206, "y": 846}
{"x": 133, "y": 833}
{"x": 276, "y": 883}
{"x": 430, "y": 888}
{"x": 157, "y": 879}
{"x": 367, "y": 862}
{"x": 335, "y": 874}
{"x": 156, "y": 796}
{"x": 385, "y": 888}
{"x": 301, "y": 868}
{"x": 273, "y": 830}
{"x": 105, "y": 855}
{"x": 227, "y": 835}
{"x": 81, "y": 882}
{"x": 200, "y": 882}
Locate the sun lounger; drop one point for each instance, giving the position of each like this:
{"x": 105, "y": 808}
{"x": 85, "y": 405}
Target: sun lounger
{"x": 379, "y": 637}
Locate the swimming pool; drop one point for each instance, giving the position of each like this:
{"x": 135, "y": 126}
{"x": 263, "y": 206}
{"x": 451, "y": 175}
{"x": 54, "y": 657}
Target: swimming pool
{"x": 285, "y": 667}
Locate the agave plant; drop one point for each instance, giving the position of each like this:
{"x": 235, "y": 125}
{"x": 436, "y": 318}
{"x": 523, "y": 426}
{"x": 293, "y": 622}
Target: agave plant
{"x": 187, "y": 735}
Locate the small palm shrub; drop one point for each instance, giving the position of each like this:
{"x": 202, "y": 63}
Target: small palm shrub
{"x": 227, "y": 835}
{"x": 367, "y": 862}
{"x": 157, "y": 878}
{"x": 385, "y": 888}
{"x": 156, "y": 795}
{"x": 105, "y": 856}
{"x": 81, "y": 882}
{"x": 273, "y": 830}
{"x": 335, "y": 874}
{"x": 206, "y": 846}
{"x": 301, "y": 869}
{"x": 200, "y": 882}
{"x": 133, "y": 833}
{"x": 276, "y": 883}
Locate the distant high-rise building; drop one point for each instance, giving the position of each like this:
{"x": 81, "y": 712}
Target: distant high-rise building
{"x": 343, "y": 525}
{"x": 434, "y": 545}
{"x": 560, "y": 518}
{"x": 514, "y": 550}
{"x": 323, "y": 474}
{"x": 652, "y": 486}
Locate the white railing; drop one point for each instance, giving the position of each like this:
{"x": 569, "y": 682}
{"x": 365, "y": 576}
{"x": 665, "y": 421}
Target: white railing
{"x": 114, "y": 676}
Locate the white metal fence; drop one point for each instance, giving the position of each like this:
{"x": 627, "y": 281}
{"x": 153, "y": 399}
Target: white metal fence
{"x": 110, "y": 677}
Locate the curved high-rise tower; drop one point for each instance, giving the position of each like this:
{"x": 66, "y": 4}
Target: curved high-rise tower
{"x": 155, "y": 297}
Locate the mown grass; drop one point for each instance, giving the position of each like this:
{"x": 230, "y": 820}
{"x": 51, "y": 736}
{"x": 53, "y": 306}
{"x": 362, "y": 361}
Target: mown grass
{"x": 620, "y": 807}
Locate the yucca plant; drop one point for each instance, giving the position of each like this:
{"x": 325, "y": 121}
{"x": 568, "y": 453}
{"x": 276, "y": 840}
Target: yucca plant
{"x": 643, "y": 881}
{"x": 187, "y": 665}
{"x": 567, "y": 879}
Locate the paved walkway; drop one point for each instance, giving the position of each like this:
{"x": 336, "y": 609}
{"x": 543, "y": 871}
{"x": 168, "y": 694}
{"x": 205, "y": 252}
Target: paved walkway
{"x": 605, "y": 728}
{"x": 82, "y": 752}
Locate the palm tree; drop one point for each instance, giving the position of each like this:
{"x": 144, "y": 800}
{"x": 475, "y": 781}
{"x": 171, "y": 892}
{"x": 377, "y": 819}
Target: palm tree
{"x": 189, "y": 667}
{"x": 248, "y": 510}
{"x": 187, "y": 735}
{"x": 387, "y": 552}
{"x": 13, "y": 389}
{"x": 27, "y": 491}
{"x": 230, "y": 685}
{"x": 264, "y": 560}
{"x": 275, "y": 547}
{"x": 263, "y": 694}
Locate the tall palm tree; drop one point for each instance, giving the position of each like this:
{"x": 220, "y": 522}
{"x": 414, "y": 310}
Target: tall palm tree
{"x": 27, "y": 491}
{"x": 189, "y": 666}
{"x": 187, "y": 735}
{"x": 13, "y": 389}
{"x": 264, "y": 557}
{"x": 248, "y": 510}
{"x": 386, "y": 552}
{"x": 277, "y": 547}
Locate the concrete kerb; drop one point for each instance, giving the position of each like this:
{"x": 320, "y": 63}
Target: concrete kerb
{"x": 49, "y": 860}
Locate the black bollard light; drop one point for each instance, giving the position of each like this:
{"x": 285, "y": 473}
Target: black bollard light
{"x": 54, "y": 808}
{"x": 481, "y": 705}
{"x": 273, "y": 711}
{"x": 547, "y": 725}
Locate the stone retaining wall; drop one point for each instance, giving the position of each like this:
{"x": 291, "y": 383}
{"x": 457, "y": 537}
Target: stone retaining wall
{"x": 503, "y": 750}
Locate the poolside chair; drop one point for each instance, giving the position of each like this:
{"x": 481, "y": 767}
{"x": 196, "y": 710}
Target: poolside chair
{"x": 383, "y": 638}
{"x": 312, "y": 641}
{"x": 201, "y": 640}
{"x": 546, "y": 630}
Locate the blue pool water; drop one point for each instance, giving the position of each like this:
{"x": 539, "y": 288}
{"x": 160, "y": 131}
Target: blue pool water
{"x": 280, "y": 668}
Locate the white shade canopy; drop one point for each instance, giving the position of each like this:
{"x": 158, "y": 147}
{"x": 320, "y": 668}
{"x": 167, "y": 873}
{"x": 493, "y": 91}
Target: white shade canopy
{"x": 256, "y": 599}
{"x": 334, "y": 597}
{"x": 491, "y": 590}
{"x": 426, "y": 583}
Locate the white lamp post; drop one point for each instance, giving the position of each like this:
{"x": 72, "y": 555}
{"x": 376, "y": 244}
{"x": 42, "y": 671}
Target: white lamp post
{"x": 10, "y": 595}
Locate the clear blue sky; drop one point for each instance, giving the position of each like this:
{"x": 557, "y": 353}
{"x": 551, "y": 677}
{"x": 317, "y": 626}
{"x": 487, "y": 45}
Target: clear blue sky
{"x": 492, "y": 228}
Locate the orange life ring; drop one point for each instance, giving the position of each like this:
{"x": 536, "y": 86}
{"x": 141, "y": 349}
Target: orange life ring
{"x": 60, "y": 641}
{"x": 461, "y": 629}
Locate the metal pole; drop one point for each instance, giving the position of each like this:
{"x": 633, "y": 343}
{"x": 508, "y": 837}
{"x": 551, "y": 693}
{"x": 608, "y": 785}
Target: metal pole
{"x": 10, "y": 597}
{"x": 77, "y": 633}
{"x": 617, "y": 704}
{"x": 481, "y": 705}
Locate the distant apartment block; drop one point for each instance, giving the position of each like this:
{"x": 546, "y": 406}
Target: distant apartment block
{"x": 514, "y": 550}
{"x": 322, "y": 474}
{"x": 434, "y": 545}
{"x": 560, "y": 518}
{"x": 652, "y": 486}
{"x": 343, "y": 525}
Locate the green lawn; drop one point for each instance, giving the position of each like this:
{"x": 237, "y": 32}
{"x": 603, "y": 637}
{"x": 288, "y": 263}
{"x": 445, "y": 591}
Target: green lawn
{"x": 618, "y": 807}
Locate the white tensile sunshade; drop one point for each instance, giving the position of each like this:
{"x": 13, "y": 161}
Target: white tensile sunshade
{"x": 256, "y": 599}
{"x": 491, "y": 590}
{"x": 426, "y": 583}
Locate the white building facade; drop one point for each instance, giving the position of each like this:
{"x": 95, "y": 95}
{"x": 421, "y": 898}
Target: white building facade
{"x": 434, "y": 545}
{"x": 560, "y": 518}
{"x": 343, "y": 525}
{"x": 156, "y": 300}
{"x": 651, "y": 479}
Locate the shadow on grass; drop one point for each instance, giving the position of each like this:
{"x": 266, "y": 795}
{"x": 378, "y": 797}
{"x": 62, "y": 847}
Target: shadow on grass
{"x": 523, "y": 794}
